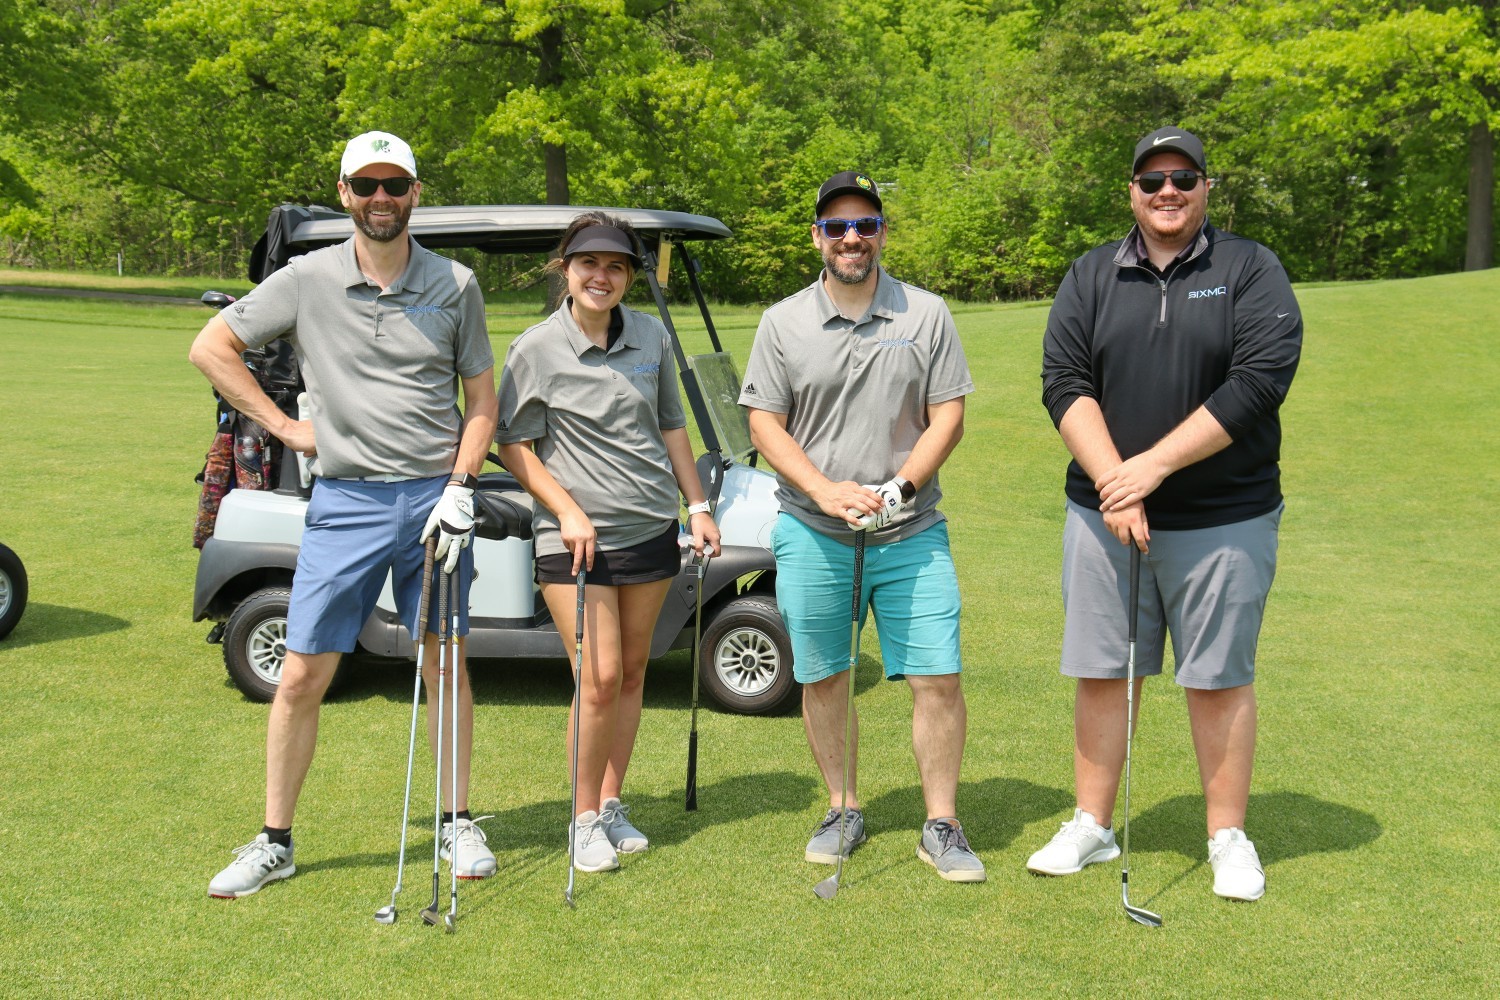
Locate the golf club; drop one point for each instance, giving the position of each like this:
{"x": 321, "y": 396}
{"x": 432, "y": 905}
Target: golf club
{"x": 1135, "y": 913}
{"x": 387, "y": 914}
{"x": 700, "y": 569}
{"x": 451, "y": 918}
{"x": 430, "y": 914}
{"x": 829, "y": 887}
{"x": 577, "y": 697}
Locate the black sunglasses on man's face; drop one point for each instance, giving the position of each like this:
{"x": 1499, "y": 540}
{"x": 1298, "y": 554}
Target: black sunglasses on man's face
{"x": 1152, "y": 181}
{"x": 396, "y": 187}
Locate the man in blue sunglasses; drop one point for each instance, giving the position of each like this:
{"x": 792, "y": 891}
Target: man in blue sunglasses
{"x": 855, "y": 390}
{"x": 1165, "y": 362}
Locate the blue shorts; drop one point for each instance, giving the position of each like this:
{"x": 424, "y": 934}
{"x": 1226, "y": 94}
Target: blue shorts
{"x": 355, "y": 532}
{"x": 1205, "y": 587}
{"x": 911, "y": 584}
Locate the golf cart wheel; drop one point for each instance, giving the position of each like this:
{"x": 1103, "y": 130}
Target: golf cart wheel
{"x": 12, "y": 590}
{"x": 255, "y": 642}
{"x": 745, "y": 662}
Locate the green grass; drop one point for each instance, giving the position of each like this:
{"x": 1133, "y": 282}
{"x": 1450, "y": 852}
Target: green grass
{"x": 132, "y": 767}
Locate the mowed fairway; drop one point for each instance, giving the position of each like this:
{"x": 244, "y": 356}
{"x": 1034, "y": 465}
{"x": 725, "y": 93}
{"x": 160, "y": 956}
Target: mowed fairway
{"x": 131, "y": 767}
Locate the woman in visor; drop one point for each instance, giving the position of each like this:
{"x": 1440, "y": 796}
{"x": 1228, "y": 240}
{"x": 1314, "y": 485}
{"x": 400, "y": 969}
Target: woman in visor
{"x": 592, "y": 426}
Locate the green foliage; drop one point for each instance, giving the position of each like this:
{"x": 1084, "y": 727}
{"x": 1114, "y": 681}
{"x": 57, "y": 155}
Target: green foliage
{"x": 1338, "y": 134}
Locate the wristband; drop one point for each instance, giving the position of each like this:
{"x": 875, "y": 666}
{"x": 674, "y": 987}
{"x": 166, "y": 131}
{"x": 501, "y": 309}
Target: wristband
{"x": 467, "y": 481}
{"x": 700, "y": 508}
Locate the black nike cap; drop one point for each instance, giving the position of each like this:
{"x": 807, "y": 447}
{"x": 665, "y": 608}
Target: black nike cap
{"x": 1169, "y": 140}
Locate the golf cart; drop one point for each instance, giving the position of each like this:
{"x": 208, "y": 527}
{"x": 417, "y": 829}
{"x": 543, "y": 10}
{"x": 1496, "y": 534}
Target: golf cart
{"x": 246, "y": 565}
{"x": 13, "y": 590}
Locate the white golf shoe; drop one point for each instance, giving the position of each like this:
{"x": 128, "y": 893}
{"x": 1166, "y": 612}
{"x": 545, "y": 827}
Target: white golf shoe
{"x": 622, "y": 834}
{"x": 1237, "y": 870}
{"x": 1081, "y": 841}
{"x": 592, "y": 851}
{"x": 473, "y": 858}
{"x": 254, "y": 864}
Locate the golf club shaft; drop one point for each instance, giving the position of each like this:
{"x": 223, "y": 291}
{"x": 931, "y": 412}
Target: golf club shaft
{"x": 859, "y": 566}
{"x": 577, "y": 697}
{"x": 454, "y": 600}
{"x": 430, "y": 914}
{"x": 694, "y": 662}
{"x": 1133, "y": 614}
{"x": 416, "y": 697}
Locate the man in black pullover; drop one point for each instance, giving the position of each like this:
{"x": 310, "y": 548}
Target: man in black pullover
{"x": 1166, "y": 358}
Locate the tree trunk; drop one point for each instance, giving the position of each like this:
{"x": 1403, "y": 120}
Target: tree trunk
{"x": 1480, "y": 253}
{"x": 549, "y": 78}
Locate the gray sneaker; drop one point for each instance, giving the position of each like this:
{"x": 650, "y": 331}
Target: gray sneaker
{"x": 622, "y": 834}
{"x": 255, "y": 864}
{"x": 823, "y": 848}
{"x": 944, "y": 847}
{"x": 474, "y": 858}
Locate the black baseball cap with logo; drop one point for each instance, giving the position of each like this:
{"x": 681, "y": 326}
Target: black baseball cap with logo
{"x": 1169, "y": 140}
{"x": 847, "y": 182}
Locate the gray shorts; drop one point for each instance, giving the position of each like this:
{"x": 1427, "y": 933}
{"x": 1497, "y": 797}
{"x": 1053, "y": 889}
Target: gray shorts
{"x": 1208, "y": 586}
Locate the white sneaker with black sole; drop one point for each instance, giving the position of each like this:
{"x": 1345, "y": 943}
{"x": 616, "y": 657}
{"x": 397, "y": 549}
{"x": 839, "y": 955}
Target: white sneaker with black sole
{"x": 1080, "y": 842}
{"x": 254, "y": 864}
{"x": 1237, "y": 870}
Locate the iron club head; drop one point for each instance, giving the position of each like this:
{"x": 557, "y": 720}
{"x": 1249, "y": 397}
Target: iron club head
{"x": 1141, "y": 916}
{"x": 828, "y": 888}
{"x": 430, "y": 916}
{"x": 449, "y": 923}
{"x": 386, "y": 915}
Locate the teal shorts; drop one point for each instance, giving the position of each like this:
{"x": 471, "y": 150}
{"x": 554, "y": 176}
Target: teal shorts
{"x": 910, "y": 584}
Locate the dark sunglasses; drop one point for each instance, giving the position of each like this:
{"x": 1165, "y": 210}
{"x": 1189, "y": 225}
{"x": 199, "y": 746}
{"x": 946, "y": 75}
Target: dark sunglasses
{"x": 396, "y": 187}
{"x": 1152, "y": 180}
{"x": 866, "y": 228}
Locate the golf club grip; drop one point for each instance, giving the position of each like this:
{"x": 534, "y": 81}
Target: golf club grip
{"x": 1135, "y": 586}
{"x": 424, "y": 606}
{"x": 692, "y": 772}
{"x": 859, "y": 568}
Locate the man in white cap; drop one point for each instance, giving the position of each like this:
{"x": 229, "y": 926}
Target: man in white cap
{"x": 1166, "y": 358}
{"x": 386, "y": 332}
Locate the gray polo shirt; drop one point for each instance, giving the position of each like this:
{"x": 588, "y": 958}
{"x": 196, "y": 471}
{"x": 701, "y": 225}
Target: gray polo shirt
{"x": 597, "y": 419}
{"x": 856, "y": 392}
{"x": 381, "y": 366}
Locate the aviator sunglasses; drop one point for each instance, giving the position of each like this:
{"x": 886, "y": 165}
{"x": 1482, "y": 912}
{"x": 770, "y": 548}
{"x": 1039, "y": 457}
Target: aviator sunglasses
{"x": 1152, "y": 181}
{"x": 396, "y": 187}
{"x": 866, "y": 228}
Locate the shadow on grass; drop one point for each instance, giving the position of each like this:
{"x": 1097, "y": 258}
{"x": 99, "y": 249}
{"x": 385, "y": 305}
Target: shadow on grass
{"x": 993, "y": 811}
{"x": 1284, "y": 825}
{"x": 532, "y": 836}
{"x": 43, "y": 623}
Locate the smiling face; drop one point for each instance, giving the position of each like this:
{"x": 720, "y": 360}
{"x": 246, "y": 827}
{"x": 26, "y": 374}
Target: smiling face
{"x": 597, "y": 280}
{"x": 380, "y": 217}
{"x": 1169, "y": 218}
{"x": 850, "y": 260}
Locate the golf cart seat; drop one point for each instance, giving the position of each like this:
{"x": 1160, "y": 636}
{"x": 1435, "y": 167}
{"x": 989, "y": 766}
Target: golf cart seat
{"x": 501, "y": 513}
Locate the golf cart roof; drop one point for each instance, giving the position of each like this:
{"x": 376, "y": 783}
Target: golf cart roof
{"x": 493, "y": 228}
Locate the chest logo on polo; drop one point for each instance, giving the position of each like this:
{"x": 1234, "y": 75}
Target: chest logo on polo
{"x": 424, "y": 310}
{"x": 1208, "y": 293}
{"x": 650, "y": 369}
{"x": 896, "y": 342}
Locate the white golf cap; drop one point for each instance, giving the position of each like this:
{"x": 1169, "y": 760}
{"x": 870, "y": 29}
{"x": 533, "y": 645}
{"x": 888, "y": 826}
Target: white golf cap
{"x": 377, "y": 147}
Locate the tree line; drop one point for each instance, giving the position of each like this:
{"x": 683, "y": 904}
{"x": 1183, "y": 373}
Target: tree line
{"x": 1353, "y": 138}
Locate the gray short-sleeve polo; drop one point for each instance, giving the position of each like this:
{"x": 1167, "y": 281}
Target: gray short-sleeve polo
{"x": 596, "y": 418}
{"x": 856, "y": 392}
{"x": 381, "y": 366}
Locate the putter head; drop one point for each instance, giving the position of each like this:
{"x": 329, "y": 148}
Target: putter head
{"x": 1141, "y": 916}
{"x": 386, "y": 915}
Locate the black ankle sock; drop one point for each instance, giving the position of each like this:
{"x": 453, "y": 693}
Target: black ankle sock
{"x": 462, "y": 814}
{"x": 278, "y": 836}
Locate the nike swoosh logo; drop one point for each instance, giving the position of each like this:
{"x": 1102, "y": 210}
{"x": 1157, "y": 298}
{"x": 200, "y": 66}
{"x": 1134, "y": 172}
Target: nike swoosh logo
{"x": 1282, "y": 315}
{"x": 1165, "y": 138}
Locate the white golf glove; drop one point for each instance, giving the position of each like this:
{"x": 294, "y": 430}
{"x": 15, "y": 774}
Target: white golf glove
{"x": 453, "y": 519}
{"x": 892, "y": 504}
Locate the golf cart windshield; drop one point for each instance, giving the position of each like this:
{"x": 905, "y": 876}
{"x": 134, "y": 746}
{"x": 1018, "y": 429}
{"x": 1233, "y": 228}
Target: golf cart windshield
{"x": 720, "y": 385}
